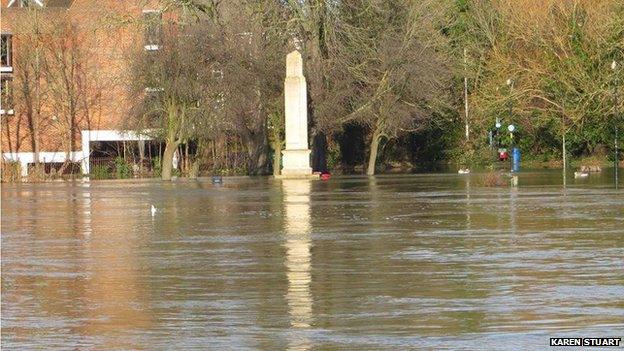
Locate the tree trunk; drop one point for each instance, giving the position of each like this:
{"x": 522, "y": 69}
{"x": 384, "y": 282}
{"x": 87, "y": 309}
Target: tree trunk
{"x": 66, "y": 163}
{"x": 35, "y": 131}
{"x": 319, "y": 152}
{"x": 167, "y": 159}
{"x": 277, "y": 158}
{"x": 32, "y": 119}
{"x": 141, "y": 146}
{"x": 35, "y": 144}
{"x": 257, "y": 146}
{"x": 186, "y": 158}
{"x": 372, "y": 157}
{"x": 257, "y": 158}
{"x": 36, "y": 158}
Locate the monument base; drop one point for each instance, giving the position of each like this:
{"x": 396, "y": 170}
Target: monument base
{"x": 296, "y": 163}
{"x": 298, "y": 176}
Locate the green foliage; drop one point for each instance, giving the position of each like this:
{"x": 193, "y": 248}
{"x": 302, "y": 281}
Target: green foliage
{"x": 474, "y": 157}
{"x": 557, "y": 54}
{"x": 157, "y": 166}
{"x": 334, "y": 158}
{"x": 101, "y": 172}
{"x": 241, "y": 170}
{"x": 123, "y": 170}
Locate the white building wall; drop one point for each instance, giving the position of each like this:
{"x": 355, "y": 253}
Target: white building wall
{"x": 24, "y": 158}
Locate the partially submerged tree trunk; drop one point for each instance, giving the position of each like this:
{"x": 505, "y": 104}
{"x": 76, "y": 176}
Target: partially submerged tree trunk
{"x": 257, "y": 158}
{"x": 374, "y": 148}
{"x": 276, "y": 140}
{"x": 257, "y": 145}
{"x": 167, "y": 158}
{"x": 33, "y": 125}
{"x": 277, "y": 157}
{"x": 319, "y": 152}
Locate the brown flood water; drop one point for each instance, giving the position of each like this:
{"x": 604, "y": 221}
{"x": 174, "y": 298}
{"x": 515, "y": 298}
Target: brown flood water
{"x": 425, "y": 262}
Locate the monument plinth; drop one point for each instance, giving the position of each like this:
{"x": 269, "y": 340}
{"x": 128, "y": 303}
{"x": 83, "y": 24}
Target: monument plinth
{"x": 296, "y": 156}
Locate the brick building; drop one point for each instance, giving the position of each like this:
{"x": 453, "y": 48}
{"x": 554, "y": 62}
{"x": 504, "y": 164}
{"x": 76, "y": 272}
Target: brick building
{"x": 64, "y": 75}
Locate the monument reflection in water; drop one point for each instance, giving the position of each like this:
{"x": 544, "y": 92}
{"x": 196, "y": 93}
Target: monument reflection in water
{"x": 297, "y": 231}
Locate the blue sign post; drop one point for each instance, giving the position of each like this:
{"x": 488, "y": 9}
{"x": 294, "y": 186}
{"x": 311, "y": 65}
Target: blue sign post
{"x": 515, "y": 156}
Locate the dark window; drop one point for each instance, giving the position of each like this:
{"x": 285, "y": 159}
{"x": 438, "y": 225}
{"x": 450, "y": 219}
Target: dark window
{"x": 6, "y": 52}
{"x": 153, "y": 29}
{"x": 6, "y": 96}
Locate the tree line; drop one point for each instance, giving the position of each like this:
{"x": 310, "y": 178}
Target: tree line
{"x": 380, "y": 65}
{"x": 390, "y": 82}
{"x": 390, "y": 76}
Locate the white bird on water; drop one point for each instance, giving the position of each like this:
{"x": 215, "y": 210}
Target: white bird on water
{"x": 581, "y": 174}
{"x": 153, "y": 210}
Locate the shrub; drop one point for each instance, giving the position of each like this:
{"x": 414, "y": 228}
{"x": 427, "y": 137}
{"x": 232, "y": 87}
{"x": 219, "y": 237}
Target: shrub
{"x": 37, "y": 173}
{"x": 472, "y": 157}
{"x": 593, "y": 161}
{"x": 122, "y": 169}
{"x": 11, "y": 171}
{"x": 157, "y": 166}
{"x": 334, "y": 159}
{"x": 101, "y": 172}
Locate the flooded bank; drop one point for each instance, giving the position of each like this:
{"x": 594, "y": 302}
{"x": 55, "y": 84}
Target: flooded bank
{"x": 392, "y": 262}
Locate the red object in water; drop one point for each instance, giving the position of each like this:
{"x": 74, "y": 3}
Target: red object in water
{"x": 503, "y": 155}
{"x": 325, "y": 176}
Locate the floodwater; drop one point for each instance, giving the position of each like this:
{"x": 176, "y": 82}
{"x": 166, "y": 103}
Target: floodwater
{"x": 425, "y": 262}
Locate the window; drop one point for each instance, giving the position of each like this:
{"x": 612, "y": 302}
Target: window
{"x": 153, "y": 29}
{"x": 6, "y": 53}
{"x": 6, "y": 96}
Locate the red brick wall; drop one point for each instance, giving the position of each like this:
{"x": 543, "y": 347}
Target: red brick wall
{"x": 107, "y": 32}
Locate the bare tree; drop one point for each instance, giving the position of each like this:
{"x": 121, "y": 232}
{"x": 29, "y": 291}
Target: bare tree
{"x": 71, "y": 80}
{"x": 174, "y": 89}
{"x": 244, "y": 52}
{"x": 390, "y": 53}
{"x": 29, "y": 79}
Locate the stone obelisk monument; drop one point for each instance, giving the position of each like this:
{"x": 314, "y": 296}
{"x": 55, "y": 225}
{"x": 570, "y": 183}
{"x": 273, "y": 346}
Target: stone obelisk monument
{"x": 296, "y": 155}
